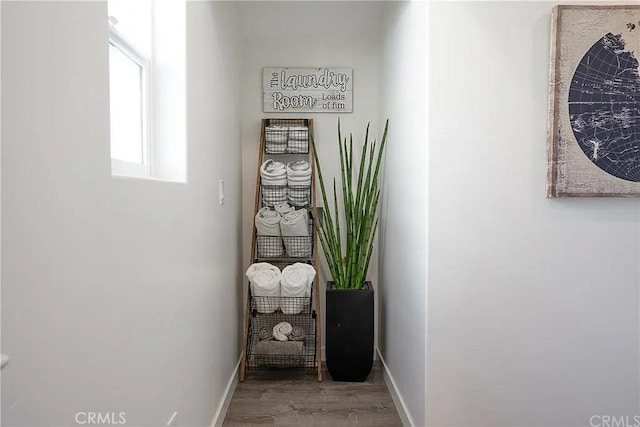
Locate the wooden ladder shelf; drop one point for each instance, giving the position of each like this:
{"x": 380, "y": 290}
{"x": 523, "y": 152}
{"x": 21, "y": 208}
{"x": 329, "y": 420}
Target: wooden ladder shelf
{"x": 287, "y": 149}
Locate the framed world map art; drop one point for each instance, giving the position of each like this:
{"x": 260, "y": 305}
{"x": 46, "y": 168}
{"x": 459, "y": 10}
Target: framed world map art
{"x": 593, "y": 142}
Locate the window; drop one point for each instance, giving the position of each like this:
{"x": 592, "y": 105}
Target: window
{"x": 129, "y": 109}
{"x": 147, "y": 77}
{"x": 130, "y": 88}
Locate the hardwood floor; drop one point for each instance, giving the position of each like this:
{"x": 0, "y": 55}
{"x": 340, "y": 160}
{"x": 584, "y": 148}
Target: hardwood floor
{"x": 292, "y": 399}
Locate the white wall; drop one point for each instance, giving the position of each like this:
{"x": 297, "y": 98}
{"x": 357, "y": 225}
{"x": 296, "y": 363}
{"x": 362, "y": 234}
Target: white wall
{"x": 0, "y": 203}
{"x": 117, "y": 294}
{"x": 309, "y": 34}
{"x": 533, "y": 302}
{"x": 403, "y": 233}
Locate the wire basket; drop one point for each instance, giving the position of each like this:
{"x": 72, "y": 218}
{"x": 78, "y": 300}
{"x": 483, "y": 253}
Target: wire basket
{"x": 269, "y": 246}
{"x": 275, "y": 139}
{"x": 298, "y": 140}
{"x": 299, "y": 195}
{"x": 299, "y": 246}
{"x": 282, "y": 136}
{"x": 286, "y": 246}
{"x": 282, "y": 263}
{"x": 274, "y": 194}
{"x": 273, "y": 354}
{"x": 281, "y": 305}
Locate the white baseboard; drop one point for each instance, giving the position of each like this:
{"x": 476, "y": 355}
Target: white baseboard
{"x": 221, "y": 412}
{"x": 407, "y": 421}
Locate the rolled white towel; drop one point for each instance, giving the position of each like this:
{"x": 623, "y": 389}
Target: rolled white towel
{"x": 281, "y": 330}
{"x": 268, "y": 222}
{"x": 265, "y": 280}
{"x": 294, "y": 227}
{"x": 295, "y": 223}
{"x": 299, "y": 181}
{"x": 296, "y": 179}
{"x": 300, "y": 185}
{"x": 299, "y": 178}
{"x": 298, "y": 168}
{"x": 284, "y": 208}
{"x": 273, "y": 173}
{"x": 299, "y": 173}
{"x": 272, "y": 168}
{"x": 269, "y": 242}
{"x": 296, "y": 280}
{"x": 274, "y": 181}
{"x": 295, "y": 287}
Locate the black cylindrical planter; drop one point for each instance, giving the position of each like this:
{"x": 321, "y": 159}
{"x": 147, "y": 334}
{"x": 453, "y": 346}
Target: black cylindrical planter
{"x": 349, "y": 346}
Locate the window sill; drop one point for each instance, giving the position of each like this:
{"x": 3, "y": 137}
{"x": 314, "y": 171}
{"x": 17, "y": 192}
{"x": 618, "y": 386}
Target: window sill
{"x": 125, "y": 177}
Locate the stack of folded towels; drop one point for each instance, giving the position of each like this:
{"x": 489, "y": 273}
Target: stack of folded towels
{"x": 273, "y": 177}
{"x": 284, "y": 208}
{"x": 269, "y": 233}
{"x": 289, "y": 290}
{"x": 285, "y": 225}
{"x": 299, "y": 181}
{"x": 294, "y": 228}
{"x": 275, "y": 139}
{"x": 282, "y": 339}
{"x": 298, "y": 139}
{"x": 282, "y": 331}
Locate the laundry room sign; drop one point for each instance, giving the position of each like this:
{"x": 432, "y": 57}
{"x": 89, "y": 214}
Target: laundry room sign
{"x": 318, "y": 90}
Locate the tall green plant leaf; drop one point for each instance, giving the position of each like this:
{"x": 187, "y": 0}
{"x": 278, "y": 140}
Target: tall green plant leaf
{"x": 349, "y": 259}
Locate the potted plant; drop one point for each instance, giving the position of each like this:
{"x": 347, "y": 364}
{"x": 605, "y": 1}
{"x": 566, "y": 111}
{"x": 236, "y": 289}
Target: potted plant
{"x": 346, "y": 234}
